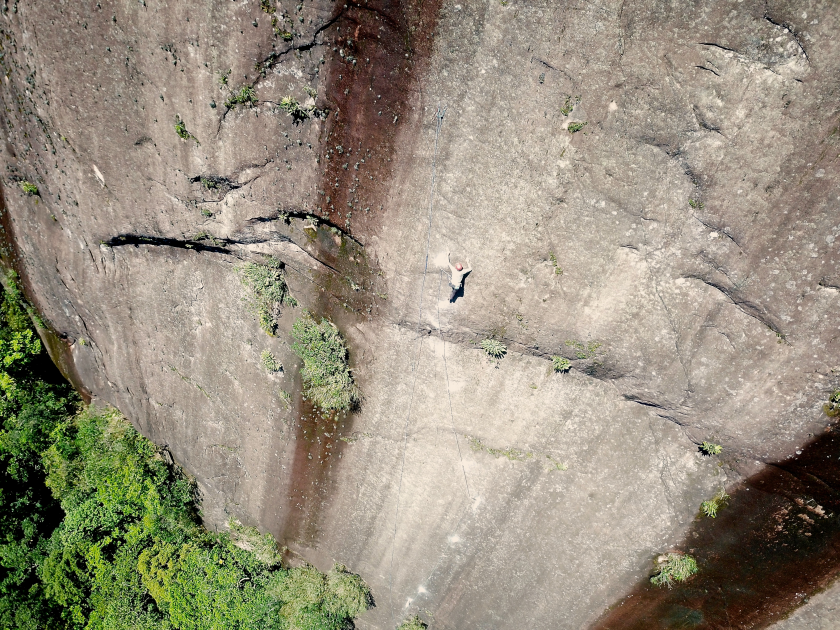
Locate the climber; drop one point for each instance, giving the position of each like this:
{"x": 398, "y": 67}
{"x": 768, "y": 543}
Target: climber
{"x": 456, "y": 277}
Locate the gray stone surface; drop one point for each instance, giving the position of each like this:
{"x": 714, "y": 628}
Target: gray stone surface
{"x": 821, "y": 612}
{"x": 715, "y": 321}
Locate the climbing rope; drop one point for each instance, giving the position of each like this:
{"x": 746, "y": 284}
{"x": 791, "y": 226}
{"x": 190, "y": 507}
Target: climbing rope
{"x": 449, "y": 391}
{"x": 439, "y": 116}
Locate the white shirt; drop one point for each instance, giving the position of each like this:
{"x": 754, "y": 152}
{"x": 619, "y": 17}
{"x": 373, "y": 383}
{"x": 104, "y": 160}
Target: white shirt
{"x": 457, "y": 277}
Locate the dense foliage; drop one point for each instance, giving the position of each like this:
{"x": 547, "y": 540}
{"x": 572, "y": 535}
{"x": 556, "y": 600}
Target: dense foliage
{"x": 326, "y": 375}
{"x": 33, "y": 401}
{"x": 99, "y": 531}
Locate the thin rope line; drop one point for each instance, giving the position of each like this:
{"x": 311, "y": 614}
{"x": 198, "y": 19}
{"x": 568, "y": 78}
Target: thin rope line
{"x": 449, "y": 392}
{"x": 439, "y": 114}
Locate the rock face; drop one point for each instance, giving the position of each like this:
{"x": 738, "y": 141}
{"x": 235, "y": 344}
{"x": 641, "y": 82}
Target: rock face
{"x": 679, "y": 249}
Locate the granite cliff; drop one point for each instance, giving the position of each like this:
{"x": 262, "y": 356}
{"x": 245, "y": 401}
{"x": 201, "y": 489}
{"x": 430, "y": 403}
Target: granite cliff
{"x": 646, "y": 189}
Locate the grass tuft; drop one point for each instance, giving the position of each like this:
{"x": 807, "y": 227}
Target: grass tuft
{"x": 326, "y": 375}
{"x": 245, "y": 96}
{"x": 575, "y": 127}
{"x": 561, "y": 364}
{"x": 181, "y": 129}
{"x": 269, "y": 291}
{"x": 494, "y": 348}
{"x": 29, "y": 188}
{"x": 710, "y": 448}
{"x": 711, "y": 507}
{"x": 412, "y": 623}
{"x": 270, "y": 363}
{"x": 676, "y": 567}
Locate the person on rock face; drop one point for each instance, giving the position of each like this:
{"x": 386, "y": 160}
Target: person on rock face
{"x": 456, "y": 276}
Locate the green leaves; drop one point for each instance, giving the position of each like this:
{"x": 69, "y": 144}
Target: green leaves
{"x": 245, "y": 96}
{"x": 29, "y": 188}
{"x": 711, "y": 507}
{"x": 494, "y": 348}
{"x": 124, "y": 549}
{"x": 832, "y": 407}
{"x": 561, "y": 364}
{"x": 326, "y": 375}
{"x": 269, "y": 291}
{"x": 710, "y": 448}
{"x": 674, "y": 567}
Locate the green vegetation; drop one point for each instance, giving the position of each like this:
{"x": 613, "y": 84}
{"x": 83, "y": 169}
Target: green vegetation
{"x": 561, "y": 364}
{"x": 223, "y": 78}
{"x": 494, "y": 348}
{"x": 290, "y": 105}
{"x": 326, "y": 376}
{"x": 575, "y": 127}
{"x": 513, "y": 454}
{"x": 269, "y": 291}
{"x": 675, "y": 567}
{"x": 832, "y": 407}
{"x": 29, "y": 188}
{"x": 100, "y": 532}
{"x": 569, "y": 105}
{"x": 267, "y": 7}
{"x": 209, "y": 184}
{"x": 269, "y": 362}
{"x": 557, "y": 268}
{"x": 181, "y": 129}
{"x": 584, "y": 350}
{"x": 710, "y": 448}
{"x": 245, "y": 96}
{"x": 413, "y": 623}
{"x": 286, "y": 397}
{"x": 711, "y": 507}
{"x": 34, "y": 400}
{"x": 555, "y": 465}
{"x": 697, "y": 205}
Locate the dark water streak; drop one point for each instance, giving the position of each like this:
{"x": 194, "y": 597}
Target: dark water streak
{"x": 774, "y": 546}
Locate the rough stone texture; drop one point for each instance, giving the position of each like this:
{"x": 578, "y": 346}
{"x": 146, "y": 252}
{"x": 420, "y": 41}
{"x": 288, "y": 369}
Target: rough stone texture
{"x": 716, "y": 320}
{"x": 819, "y": 613}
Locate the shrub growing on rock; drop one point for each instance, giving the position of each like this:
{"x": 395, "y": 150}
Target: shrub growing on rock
{"x": 674, "y": 567}
{"x": 29, "y": 188}
{"x": 711, "y": 507}
{"x": 413, "y": 623}
{"x": 326, "y": 375}
{"x": 494, "y": 348}
{"x": 561, "y": 364}
{"x": 269, "y": 291}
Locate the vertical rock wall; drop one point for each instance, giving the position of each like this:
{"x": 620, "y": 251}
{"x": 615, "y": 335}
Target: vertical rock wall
{"x": 679, "y": 249}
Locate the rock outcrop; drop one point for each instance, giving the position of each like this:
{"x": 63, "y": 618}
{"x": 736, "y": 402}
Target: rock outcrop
{"x": 647, "y": 190}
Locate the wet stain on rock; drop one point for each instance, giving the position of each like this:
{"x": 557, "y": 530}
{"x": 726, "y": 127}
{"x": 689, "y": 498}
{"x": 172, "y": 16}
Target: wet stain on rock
{"x": 379, "y": 51}
{"x": 775, "y": 545}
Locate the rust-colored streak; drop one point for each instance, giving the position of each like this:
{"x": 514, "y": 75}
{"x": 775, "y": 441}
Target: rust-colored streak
{"x": 370, "y": 101}
{"x": 382, "y": 49}
{"x": 317, "y": 449}
{"x": 776, "y": 544}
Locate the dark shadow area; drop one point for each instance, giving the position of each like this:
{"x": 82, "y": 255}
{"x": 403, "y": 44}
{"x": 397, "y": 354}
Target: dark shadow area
{"x": 775, "y": 544}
